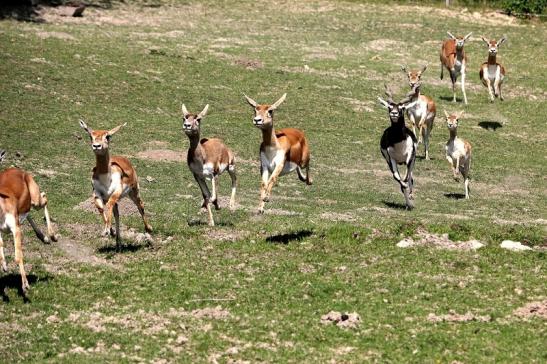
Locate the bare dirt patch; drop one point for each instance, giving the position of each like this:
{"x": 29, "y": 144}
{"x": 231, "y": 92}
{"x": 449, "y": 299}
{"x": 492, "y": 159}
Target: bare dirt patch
{"x": 440, "y": 241}
{"x": 336, "y": 216}
{"x": 385, "y": 44}
{"x": 162, "y": 155}
{"x": 249, "y": 63}
{"x": 224, "y": 235}
{"x": 76, "y": 251}
{"x": 343, "y": 320}
{"x": 532, "y": 310}
{"x": 452, "y": 316}
{"x": 281, "y": 212}
{"x": 125, "y": 206}
{"x": 358, "y": 105}
{"x": 216, "y": 313}
{"x": 56, "y": 35}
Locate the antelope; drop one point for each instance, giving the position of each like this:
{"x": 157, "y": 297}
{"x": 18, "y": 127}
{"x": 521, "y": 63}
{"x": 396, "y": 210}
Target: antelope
{"x": 491, "y": 72}
{"x": 18, "y": 194}
{"x": 398, "y": 144}
{"x": 113, "y": 178}
{"x": 281, "y": 151}
{"x": 424, "y": 111}
{"x": 453, "y": 57}
{"x": 458, "y": 151}
{"x": 208, "y": 159}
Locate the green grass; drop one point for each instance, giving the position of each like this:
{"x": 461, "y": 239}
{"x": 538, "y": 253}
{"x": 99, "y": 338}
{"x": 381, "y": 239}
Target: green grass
{"x": 276, "y": 275}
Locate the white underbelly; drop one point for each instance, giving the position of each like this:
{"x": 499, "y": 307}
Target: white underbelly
{"x": 7, "y": 222}
{"x": 105, "y": 186}
{"x": 402, "y": 152}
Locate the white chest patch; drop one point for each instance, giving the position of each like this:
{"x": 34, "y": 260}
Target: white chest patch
{"x": 7, "y": 222}
{"x": 107, "y": 184}
{"x": 418, "y": 110}
{"x": 455, "y": 149}
{"x": 272, "y": 157}
{"x": 402, "y": 151}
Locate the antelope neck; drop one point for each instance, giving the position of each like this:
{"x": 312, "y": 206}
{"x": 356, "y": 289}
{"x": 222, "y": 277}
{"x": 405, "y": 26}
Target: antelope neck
{"x": 268, "y": 136}
{"x": 102, "y": 163}
{"x": 194, "y": 141}
{"x": 453, "y": 133}
{"x": 491, "y": 59}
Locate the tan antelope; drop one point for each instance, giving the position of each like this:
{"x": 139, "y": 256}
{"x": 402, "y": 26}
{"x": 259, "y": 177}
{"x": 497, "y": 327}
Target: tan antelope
{"x": 398, "y": 143}
{"x": 453, "y": 57}
{"x": 281, "y": 151}
{"x": 113, "y": 178}
{"x": 492, "y": 73}
{"x": 423, "y": 111}
{"x": 458, "y": 151}
{"x": 18, "y": 194}
{"x": 207, "y": 159}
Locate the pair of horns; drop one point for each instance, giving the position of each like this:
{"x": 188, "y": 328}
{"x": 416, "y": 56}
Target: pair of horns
{"x": 498, "y": 43}
{"x": 110, "y": 132}
{"x": 464, "y": 38}
{"x": 275, "y": 105}
{"x": 200, "y": 115}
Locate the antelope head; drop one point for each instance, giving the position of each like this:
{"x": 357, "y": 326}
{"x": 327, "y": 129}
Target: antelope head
{"x": 452, "y": 119}
{"x": 191, "y": 122}
{"x": 460, "y": 41}
{"x": 100, "y": 139}
{"x": 263, "y": 117}
{"x": 493, "y": 45}
{"x": 396, "y": 109}
{"x": 413, "y": 76}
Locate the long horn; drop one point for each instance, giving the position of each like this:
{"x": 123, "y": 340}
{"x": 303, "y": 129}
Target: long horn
{"x": 184, "y": 110}
{"x": 451, "y": 35}
{"x": 388, "y": 93}
{"x": 446, "y": 114}
{"x": 203, "y": 112}
{"x": 278, "y": 102}
{"x": 467, "y": 36}
{"x": 250, "y": 101}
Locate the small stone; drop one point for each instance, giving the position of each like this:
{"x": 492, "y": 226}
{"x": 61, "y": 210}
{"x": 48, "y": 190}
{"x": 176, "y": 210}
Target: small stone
{"x": 515, "y": 246}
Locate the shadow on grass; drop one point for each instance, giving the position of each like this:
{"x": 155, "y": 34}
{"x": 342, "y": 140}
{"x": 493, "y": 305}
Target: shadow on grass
{"x": 454, "y": 196}
{"x": 490, "y": 125}
{"x": 197, "y": 222}
{"x": 13, "y": 280}
{"x": 287, "y": 238}
{"x": 395, "y": 205}
{"x": 422, "y": 157}
{"x": 124, "y": 248}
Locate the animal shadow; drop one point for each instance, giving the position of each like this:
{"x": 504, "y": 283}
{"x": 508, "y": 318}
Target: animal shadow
{"x": 287, "y": 238}
{"x": 449, "y": 98}
{"x": 395, "y": 205}
{"x": 198, "y": 222}
{"x": 490, "y": 125}
{"x": 124, "y": 248}
{"x": 454, "y": 196}
{"x": 13, "y": 280}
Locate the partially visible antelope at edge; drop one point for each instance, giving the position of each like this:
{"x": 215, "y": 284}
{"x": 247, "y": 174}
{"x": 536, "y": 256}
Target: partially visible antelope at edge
{"x": 113, "y": 178}
{"x": 492, "y": 73}
{"x": 398, "y": 144}
{"x": 281, "y": 151}
{"x": 453, "y": 57}
{"x": 424, "y": 111}
{"x": 18, "y": 194}
{"x": 458, "y": 151}
{"x": 207, "y": 159}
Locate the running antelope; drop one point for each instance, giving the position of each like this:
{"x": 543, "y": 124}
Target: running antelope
{"x": 453, "y": 57}
{"x": 491, "y": 72}
{"x": 113, "y": 178}
{"x": 399, "y": 144}
{"x": 424, "y": 111}
{"x": 18, "y": 194}
{"x": 207, "y": 159}
{"x": 281, "y": 151}
{"x": 458, "y": 151}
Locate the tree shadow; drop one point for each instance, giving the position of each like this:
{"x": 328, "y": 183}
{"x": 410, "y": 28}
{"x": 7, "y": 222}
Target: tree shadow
{"x": 124, "y": 248}
{"x": 490, "y": 125}
{"x": 287, "y": 238}
{"x": 13, "y": 280}
{"x": 454, "y": 196}
{"x": 395, "y": 205}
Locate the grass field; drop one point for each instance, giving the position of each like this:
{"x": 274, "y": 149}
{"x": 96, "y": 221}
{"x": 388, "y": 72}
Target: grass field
{"x": 254, "y": 288}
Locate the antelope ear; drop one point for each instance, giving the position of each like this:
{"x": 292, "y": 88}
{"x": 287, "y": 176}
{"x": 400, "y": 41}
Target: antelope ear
{"x": 423, "y": 68}
{"x": 502, "y": 40}
{"x": 383, "y": 102}
{"x": 250, "y": 101}
{"x": 451, "y": 35}
{"x": 277, "y": 103}
{"x": 467, "y": 36}
{"x": 485, "y": 40}
{"x": 203, "y": 112}
{"x": 116, "y": 129}
{"x": 460, "y": 114}
{"x": 446, "y": 114}
{"x": 403, "y": 68}
{"x": 85, "y": 127}
{"x": 184, "y": 110}
{"x": 2, "y": 155}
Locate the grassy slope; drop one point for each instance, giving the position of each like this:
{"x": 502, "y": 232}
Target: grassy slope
{"x": 107, "y": 74}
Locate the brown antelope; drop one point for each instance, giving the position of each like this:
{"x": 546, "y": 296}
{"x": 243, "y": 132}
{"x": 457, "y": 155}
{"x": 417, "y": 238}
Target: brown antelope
{"x": 453, "y": 57}
{"x": 281, "y": 151}
{"x": 458, "y": 151}
{"x": 423, "y": 111}
{"x": 113, "y": 178}
{"x": 18, "y": 194}
{"x": 491, "y": 72}
{"x": 398, "y": 144}
{"x": 207, "y": 159}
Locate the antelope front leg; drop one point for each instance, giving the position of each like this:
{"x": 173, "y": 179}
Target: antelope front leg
{"x": 456, "y": 170}
{"x": 489, "y": 87}
{"x": 49, "y": 226}
{"x": 3, "y": 264}
{"x": 453, "y": 79}
{"x": 273, "y": 178}
{"x": 463, "y": 85}
{"x": 99, "y": 204}
{"x": 393, "y": 167}
{"x": 232, "y": 172}
{"x": 413, "y": 121}
{"x": 206, "y": 198}
{"x": 17, "y": 238}
{"x": 263, "y": 184}
{"x": 113, "y": 200}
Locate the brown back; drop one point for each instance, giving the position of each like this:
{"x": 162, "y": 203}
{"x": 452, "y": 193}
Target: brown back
{"x": 13, "y": 185}
{"x": 294, "y": 142}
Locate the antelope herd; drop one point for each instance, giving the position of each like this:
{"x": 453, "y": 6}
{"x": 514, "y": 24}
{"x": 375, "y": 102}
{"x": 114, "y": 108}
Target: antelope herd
{"x": 282, "y": 151}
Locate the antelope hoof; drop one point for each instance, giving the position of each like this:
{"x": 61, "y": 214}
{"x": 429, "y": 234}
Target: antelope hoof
{"x": 148, "y": 229}
{"x": 25, "y": 286}
{"x": 112, "y": 232}
{"x": 404, "y": 184}
{"x": 105, "y": 232}
{"x": 266, "y": 198}
{"x": 309, "y": 182}
{"x": 54, "y": 237}
{"x": 261, "y": 211}
{"x": 215, "y": 203}
{"x": 4, "y": 266}
{"x": 46, "y": 240}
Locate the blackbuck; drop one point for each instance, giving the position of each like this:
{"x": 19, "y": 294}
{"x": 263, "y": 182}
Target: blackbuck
{"x": 399, "y": 144}
{"x": 453, "y": 57}
{"x": 208, "y": 159}
{"x": 458, "y": 151}
{"x": 422, "y": 114}
{"x": 113, "y": 178}
{"x": 281, "y": 152}
{"x": 492, "y": 73}
{"x": 18, "y": 194}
